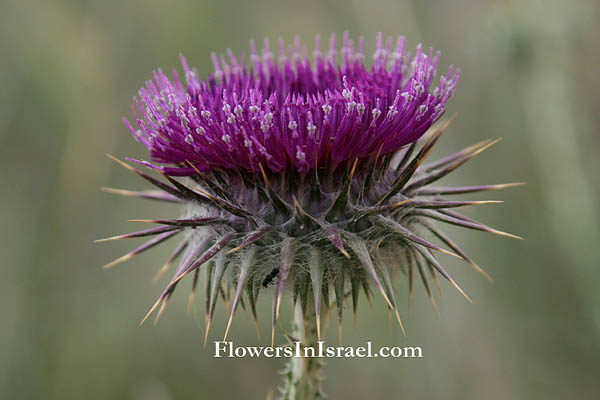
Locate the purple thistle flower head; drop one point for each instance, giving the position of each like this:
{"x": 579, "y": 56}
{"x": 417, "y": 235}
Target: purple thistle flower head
{"x": 303, "y": 176}
{"x": 287, "y": 113}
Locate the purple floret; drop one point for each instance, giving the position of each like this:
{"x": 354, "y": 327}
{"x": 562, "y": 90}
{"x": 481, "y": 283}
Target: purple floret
{"x": 288, "y": 113}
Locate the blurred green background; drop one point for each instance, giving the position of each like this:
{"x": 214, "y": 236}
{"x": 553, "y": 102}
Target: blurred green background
{"x": 68, "y": 70}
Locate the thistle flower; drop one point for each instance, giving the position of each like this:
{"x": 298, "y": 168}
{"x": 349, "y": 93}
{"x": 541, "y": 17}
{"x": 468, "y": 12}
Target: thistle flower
{"x": 302, "y": 176}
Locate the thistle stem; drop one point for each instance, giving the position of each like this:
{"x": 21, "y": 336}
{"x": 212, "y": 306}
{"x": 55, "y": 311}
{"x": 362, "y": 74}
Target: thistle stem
{"x": 303, "y": 375}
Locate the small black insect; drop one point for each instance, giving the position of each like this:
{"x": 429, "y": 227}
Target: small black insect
{"x": 269, "y": 278}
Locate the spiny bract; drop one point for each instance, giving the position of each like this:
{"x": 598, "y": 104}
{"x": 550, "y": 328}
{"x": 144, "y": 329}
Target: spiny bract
{"x": 302, "y": 175}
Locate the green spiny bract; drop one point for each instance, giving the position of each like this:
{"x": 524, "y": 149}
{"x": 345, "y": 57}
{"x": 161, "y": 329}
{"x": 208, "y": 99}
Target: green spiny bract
{"x": 331, "y": 234}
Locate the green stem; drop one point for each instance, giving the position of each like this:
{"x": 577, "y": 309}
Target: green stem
{"x": 303, "y": 375}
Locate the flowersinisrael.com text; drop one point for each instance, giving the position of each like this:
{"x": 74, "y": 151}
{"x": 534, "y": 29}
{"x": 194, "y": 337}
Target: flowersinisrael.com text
{"x": 320, "y": 350}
